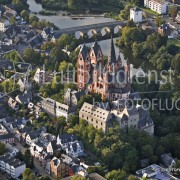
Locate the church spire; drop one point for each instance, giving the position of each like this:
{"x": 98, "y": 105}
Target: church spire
{"x": 112, "y": 55}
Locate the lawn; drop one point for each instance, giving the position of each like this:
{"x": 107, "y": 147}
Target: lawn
{"x": 149, "y": 11}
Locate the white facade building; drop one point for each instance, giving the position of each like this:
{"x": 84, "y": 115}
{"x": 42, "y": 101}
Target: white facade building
{"x": 136, "y": 14}
{"x": 11, "y": 166}
{"x": 4, "y": 24}
{"x": 159, "y": 6}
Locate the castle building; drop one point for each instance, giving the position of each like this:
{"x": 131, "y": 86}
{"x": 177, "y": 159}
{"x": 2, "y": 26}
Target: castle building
{"x": 111, "y": 79}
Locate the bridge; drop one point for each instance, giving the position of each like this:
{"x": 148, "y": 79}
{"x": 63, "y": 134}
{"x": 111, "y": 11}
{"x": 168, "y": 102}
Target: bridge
{"x": 112, "y": 27}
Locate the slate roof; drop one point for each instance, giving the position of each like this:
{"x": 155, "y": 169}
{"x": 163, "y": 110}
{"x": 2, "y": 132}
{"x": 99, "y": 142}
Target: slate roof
{"x": 166, "y": 159}
{"x": 47, "y": 30}
{"x": 165, "y": 26}
{"x": 10, "y": 119}
{"x": 96, "y": 47}
{"x": 36, "y": 41}
{"x": 136, "y": 9}
{"x": 11, "y": 29}
{"x": 65, "y": 138}
{"x": 112, "y": 54}
{"x": 11, "y": 160}
{"x": 145, "y": 118}
{"x": 6, "y": 136}
{"x": 79, "y": 94}
{"x": 84, "y": 50}
{"x": 24, "y": 97}
{"x": 57, "y": 35}
{"x": 54, "y": 145}
{"x": 34, "y": 134}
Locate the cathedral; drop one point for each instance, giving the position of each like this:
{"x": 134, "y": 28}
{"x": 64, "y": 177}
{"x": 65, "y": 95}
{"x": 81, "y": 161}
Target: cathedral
{"x": 110, "y": 79}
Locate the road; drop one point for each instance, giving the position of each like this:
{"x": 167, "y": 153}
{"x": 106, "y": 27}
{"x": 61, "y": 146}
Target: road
{"x": 37, "y": 165}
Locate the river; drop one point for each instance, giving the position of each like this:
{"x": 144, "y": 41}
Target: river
{"x": 67, "y": 22}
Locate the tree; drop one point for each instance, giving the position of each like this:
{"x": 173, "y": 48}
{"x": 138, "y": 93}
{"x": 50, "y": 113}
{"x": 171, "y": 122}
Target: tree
{"x": 131, "y": 177}
{"x": 31, "y": 56}
{"x": 71, "y": 86}
{"x": 60, "y": 124}
{"x": 26, "y": 172}
{"x": 13, "y": 20}
{"x": 124, "y": 14}
{"x": 25, "y": 15}
{"x": 28, "y": 158}
{"x": 44, "y": 95}
{"x": 159, "y": 21}
{"x": 73, "y": 120}
{"x": 33, "y": 18}
{"x": 131, "y": 35}
{"x": 63, "y": 66}
{"x": 176, "y": 63}
{"x": 173, "y": 11}
{"x": 77, "y": 177}
{"x": 116, "y": 175}
{"x": 162, "y": 60}
{"x": 2, "y": 148}
{"x": 44, "y": 178}
{"x": 146, "y": 151}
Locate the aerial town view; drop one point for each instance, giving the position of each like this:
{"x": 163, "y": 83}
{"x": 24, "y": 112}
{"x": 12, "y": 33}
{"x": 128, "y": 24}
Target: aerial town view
{"x": 90, "y": 89}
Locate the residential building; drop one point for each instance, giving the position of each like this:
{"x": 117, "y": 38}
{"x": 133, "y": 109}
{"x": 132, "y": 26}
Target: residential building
{"x": 12, "y": 150}
{"x": 10, "y": 9}
{"x": 8, "y": 121}
{"x": 58, "y": 167}
{"x": 36, "y": 148}
{"x": 24, "y": 85}
{"x": 96, "y": 116}
{"x": 64, "y": 110}
{"x": 136, "y": 14}
{"x": 3, "y": 130}
{"x": 11, "y": 166}
{"x": 70, "y": 144}
{"x": 48, "y": 105}
{"x": 159, "y": 6}
{"x": 5, "y": 64}
{"x": 155, "y": 172}
{"x": 4, "y": 24}
{"x": 7, "y": 138}
{"x": 32, "y": 137}
{"x": 96, "y": 176}
{"x": 176, "y": 1}
{"x": 72, "y": 97}
{"x": 178, "y": 17}
{"x": 55, "y": 37}
{"x": 75, "y": 149}
{"x": 164, "y": 30}
{"x": 52, "y": 147}
{"x": 57, "y": 109}
{"x": 110, "y": 80}
{"x": 40, "y": 76}
{"x": 24, "y": 98}
{"x": 47, "y": 32}
{"x": 36, "y": 42}
{"x": 167, "y": 160}
{"x": 13, "y": 104}
{"x": 64, "y": 139}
